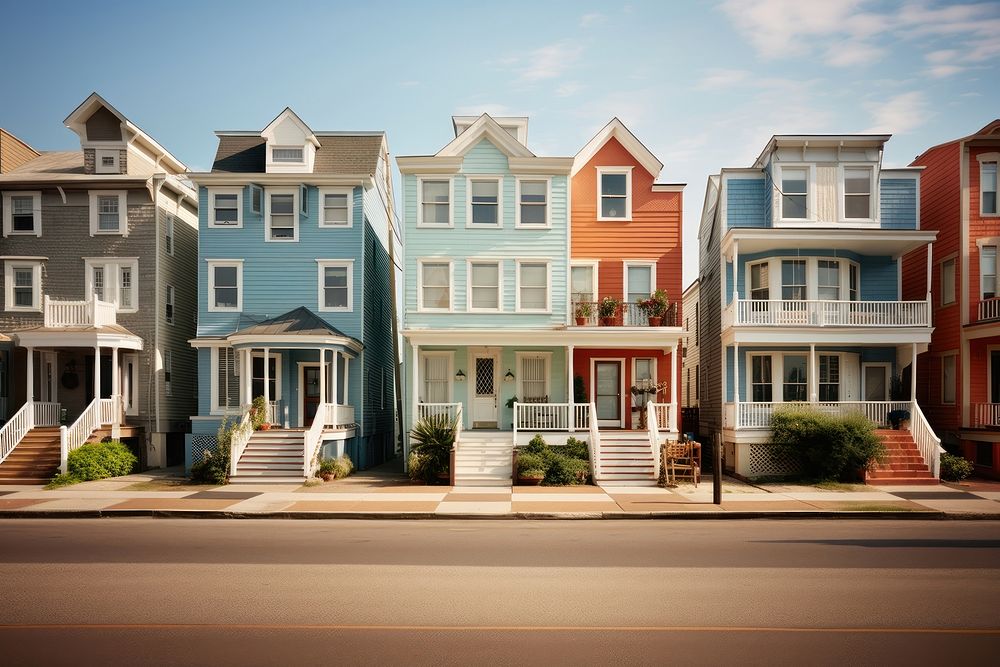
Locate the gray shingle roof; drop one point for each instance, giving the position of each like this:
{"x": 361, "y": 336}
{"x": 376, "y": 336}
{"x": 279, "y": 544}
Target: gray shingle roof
{"x": 341, "y": 154}
{"x": 300, "y": 322}
{"x": 54, "y": 162}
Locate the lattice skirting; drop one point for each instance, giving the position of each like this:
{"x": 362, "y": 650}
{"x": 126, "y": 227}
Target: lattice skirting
{"x": 758, "y": 460}
{"x": 201, "y": 444}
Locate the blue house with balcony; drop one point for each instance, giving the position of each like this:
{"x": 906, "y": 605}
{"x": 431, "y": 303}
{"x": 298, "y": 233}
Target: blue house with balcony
{"x": 801, "y": 295}
{"x": 295, "y": 300}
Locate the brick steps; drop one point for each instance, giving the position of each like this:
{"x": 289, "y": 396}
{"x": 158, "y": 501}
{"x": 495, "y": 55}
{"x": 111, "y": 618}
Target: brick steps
{"x": 904, "y": 464}
{"x": 35, "y": 460}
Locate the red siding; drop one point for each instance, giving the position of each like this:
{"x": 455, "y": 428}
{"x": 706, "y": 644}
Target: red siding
{"x": 581, "y": 367}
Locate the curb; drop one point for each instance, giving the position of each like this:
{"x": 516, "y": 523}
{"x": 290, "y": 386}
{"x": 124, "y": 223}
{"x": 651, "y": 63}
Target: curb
{"x": 932, "y": 515}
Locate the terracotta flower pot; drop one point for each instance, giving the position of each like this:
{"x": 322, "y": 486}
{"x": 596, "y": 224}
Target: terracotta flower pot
{"x": 580, "y": 321}
{"x": 607, "y": 321}
{"x": 529, "y": 481}
{"x": 655, "y": 321}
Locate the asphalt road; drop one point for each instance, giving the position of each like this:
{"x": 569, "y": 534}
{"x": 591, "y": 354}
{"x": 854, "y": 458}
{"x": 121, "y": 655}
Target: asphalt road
{"x": 156, "y": 591}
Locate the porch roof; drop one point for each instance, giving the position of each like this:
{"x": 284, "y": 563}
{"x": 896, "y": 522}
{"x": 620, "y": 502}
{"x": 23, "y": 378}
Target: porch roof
{"x": 109, "y": 335}
{"x": 300, "y": 325}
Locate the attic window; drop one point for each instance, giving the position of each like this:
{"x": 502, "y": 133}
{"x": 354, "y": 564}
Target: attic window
{"x": 286, "y": 154}
{"x": 106, "y": 161}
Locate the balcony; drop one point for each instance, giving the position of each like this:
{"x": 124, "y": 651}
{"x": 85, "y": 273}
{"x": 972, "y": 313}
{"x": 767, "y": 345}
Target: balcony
{"x": 91, "y": 313}
{"x": 855, "y": 314}
{"x": 625, "y": 315}
{"x": 989, "y": 310}
{"x": 986, "y": 415}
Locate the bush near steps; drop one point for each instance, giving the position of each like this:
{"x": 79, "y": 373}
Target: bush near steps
{"x": 564, "y": 465}
{"x": 98, "y": 460}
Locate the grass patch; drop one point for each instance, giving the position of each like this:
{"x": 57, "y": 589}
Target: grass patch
{"x": 165, "y": 485}
{"x": 61, "y": 480}
{"x": 878, "y": 507}
{"x": 839, "y": 486}
{"x": 311, "y": 482}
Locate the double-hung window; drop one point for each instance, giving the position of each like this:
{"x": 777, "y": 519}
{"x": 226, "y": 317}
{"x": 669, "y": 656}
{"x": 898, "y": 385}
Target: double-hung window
{"x": 988, "y": 271}
{"x": 858, "y": 193}
{"x": 639, "y": 281}
{"x": 335, "y": 285}
{"x": 583, "y": 281}
{"x": 532, "y": 203}
{"x": 335, "y": 207}
{"x": 761, "y": 389}
{"x": 108, "y": 212}
{"x": 273, "y": 376}
{"x": 533, "y": 286}
{"x": 793, "y": 279}
{"x": 225, "y": 207}
{"x": 435, "y": 285}
{"x": 114, "y": 280}
{"x": 794, "y": 192}
{"x": 760, "y": 289}
{"x": 282, "y": 216}
{"x": 794, "y": 387}
{"x": 828, "y": 280}
{"x": 829, "y": 377}
{"x": 22, "y": 213}
{"x": 436, "y": 372}
{"x": 225, "y": 285}
{"x": 988, "y": 188}
{"x": 484, "y": 286}
{"x": 169, "y": 313}
{"x": 614, "y": 192}
{"x": 227, "y": 379}
{"x": 22, "y": 286}
{"x": 484, "y": 202}
{"x": 435, "y": 202}
{"x": 948, "y": 281}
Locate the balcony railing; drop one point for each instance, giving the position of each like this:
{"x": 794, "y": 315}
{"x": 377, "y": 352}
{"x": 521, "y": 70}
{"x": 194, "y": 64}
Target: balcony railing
{"x": 985, "y": 415}
{"x": 90, "y": 313}
{"x": 758, "y": 415}
{"x": 625, "y": 315}
{"x": 777, "y": 312}
{"x": 339, "y": 416}
{"x": 989, "y": 310}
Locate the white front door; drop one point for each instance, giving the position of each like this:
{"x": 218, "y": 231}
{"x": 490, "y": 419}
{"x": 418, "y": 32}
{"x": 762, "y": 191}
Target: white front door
{"x": 607, "y": 390}
{"x": 875, "y": 382}
{"x": 484, "y": 400}
{"x": 49, "y": 392}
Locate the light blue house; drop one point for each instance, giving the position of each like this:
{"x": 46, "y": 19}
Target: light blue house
{"x": 800, "y": 264}
{"x": 295, "y": 298}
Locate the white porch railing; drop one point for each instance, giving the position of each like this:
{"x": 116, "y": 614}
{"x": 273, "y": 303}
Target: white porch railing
{"x": 46, "y": 414}
{"x": 927, "y": 442}
{"x": 989, "y": 309}
{"x": 985, "y": 415}
{"x": 90, "y": 313}
{"x": 240, "y": 440}
{"x": 275, "y": 412}
{"x": 425, "y": 410}
{"x": 338, "y": 416}
{"x": 752, "y": 415}
{"x": 822, "y": 313}
{"x": 666, "y": 417}
{"x": 652, "y": 425}
{"x": 595, "y": 444}
{"x": 15, "y": 429}
{"x": 313, "y": 439}
{"x": 568, "y": 417}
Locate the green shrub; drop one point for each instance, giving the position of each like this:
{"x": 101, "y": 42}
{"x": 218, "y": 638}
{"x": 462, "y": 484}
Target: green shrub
{"x": 339, "y": 467}
{"x": 531, "y": 465}
{"x": 100, "y": 460}
{"x": 955, "y": 468}
{"x": 565, "y": 471}
{"x": 432, "y": 439}
{"x": 827, "y": 447}
{"x": 575, "y": 449}
{"x": 418, "y": 467}
{"x": 258, "y": 412}
{"x": 62, "y": 479}
{"x": 563, "y": 465}
{"x": 214, "y": 468}
{"x": 536, "y": 445}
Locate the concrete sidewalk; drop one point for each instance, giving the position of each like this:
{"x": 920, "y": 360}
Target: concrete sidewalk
{"x": 386, "y": 493}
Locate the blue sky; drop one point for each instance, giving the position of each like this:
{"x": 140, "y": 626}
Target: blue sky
{"x": 703, "y": 85}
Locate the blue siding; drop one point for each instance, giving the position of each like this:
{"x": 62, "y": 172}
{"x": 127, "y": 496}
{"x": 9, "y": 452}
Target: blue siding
{"x": 899, "y": 203}
{"x": 745, "y": 203}
{"x": 768, "y": 194}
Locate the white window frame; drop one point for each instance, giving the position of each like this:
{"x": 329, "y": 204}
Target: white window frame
{"x": 483, "y": 178}
{"x": 629, "y": 263}
{"x": 420, "y": 284}
{"x": 212, "y": 265}
{"x": 296, "y": 195}
{"x": 114, "y": 154}
{"x": 546, "y": 357}
{"x": 819, "y": 375}
{"x": 216, "y": 408}
{"x": 594, "y": 266}
{"x": 628, "y": 193}
{"x": 422, "y": 373}
{"x": 36, "y": 210}
{"x": 211, "y": 207}
{"x": 112, "y": 279}
{"x": 256, "y": 190}
{"x": 170, "y": 305}
{"x": 468, "y": 284}
{"x": 949, "y": 297}
{"x": 169, "y": 240}
{"x": 277, "y": 377}
{"x": 985, "y": 159}
{"x": 95, "y": 196}
{"x": 322, "y": 265}
{"x": 775, "y": 284}
{"x": 548, "y": 202}
{"x": 996, "y": 269}
{"x": 10, "y": 265}
{"x": 953, "y": 355}
{"x": 420, "y": 202}
{"x": 810, "y": 194}
{"x": 654, "y": 371}
{"x": 750, "y": 381}
{"x": 299, "y": 147}
{"x": 349, "y": 193}
{"x": 873, "y": 213}
{"x": 168, "y": 369}
{"x": 548, "y": 285}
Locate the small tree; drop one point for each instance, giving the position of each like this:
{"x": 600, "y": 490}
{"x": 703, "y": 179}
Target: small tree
{"x": 432, "y": 440}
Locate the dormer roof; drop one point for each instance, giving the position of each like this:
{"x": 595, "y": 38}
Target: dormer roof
{"x": 268, "y": 132}
{"x": 821, "y": 141}
{"x": 615, "y": 128}
{"x": 516, "y": 126}
{"x": 485, "y": 127}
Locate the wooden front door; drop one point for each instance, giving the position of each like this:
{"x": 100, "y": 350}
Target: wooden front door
{"x": 310, "y": 394}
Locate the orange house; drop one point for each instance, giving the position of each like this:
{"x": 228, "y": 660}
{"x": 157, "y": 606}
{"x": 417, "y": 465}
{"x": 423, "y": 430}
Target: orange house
{"x": 625, "y": 244}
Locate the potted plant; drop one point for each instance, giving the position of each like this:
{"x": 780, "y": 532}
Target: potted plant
{"x": 265, "y": 426}
{"x": 655, "y": 307}
{"x": 607, "y": 309}
{"x": 258, "y": 412}
{"x": 432, "y": 440}
{"x": 583, "y": 312}
{"x": 327, "y": 469}
{"x": 530, "y": 469}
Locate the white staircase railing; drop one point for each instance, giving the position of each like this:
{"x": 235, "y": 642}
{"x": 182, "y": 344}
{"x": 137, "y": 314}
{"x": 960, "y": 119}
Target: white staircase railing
{"x": 927, "y": 442}
{"x": 73, "y": 437}
{"x": 595, "y": 444}
{"x": 425, "y": 410}
{"x": 758, "y": 415}
{"x": 313, "y": 439}
{"x": 652, "y": 425}
{"x": 46, "y": 414}
{"x": 240, "y": 439}
{"x": 15, "y": 429}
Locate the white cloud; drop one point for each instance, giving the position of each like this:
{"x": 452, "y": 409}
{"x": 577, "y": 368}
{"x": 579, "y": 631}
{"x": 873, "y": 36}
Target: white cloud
{"x": 592, "y": 18}
{"x": 942, "y": 71}
{"x": 781, "y": 27}
{"x": 720, "y": 79}
{"x": 853, "y": 53}
{"x": 549, "y": 62}
{"x": 899, "y": 114}
{"x": 569, "y": 88}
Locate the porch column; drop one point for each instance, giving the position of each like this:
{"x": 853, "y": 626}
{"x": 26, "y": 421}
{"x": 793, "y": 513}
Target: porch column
{"x": 673, "y": 388}
{"x": 334, "y": 377}
{"x": 813, "y": 378}
{"x": 569, "y": 389}
{"x": 116, "y": 393}
{"x": 322, "y": 376}
{"x": 414, "y": 385}
{"x": 913, "y": 376}
{"x": 736, "y": 385}
{"x": 246, "y": 376}
{"x": 97, "y": 371}
{"x": 930, "y": 266}
{"x": 267, "y": 379}
{"x": 736, "y": 271}
{"x": 347, "y": 374}
{"x": 29, "y": 392}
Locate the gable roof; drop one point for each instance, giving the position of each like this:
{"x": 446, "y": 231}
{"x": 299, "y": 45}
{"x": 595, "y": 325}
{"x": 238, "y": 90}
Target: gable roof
{"x": 485, "y": 128}
{"x": 338, "y": 153}
{"x": 16, "y": 152}
{"x": 287, "y": 113}
{"x": 297, "y": 322}
{"x": 615, "y": 128}
{"x": 990, "y": 130}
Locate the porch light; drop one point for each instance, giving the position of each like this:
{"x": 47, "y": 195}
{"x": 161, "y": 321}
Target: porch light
{"x": 509, "y": 377}
{"x": 459, "y": 376}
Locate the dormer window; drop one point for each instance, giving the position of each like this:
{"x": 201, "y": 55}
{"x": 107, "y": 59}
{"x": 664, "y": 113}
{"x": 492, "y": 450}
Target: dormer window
{"x": 287, "y": 154}
{"x": 614, "y": 190}
{"x": 106, "y": 161}
{"x": 794, "y": 192}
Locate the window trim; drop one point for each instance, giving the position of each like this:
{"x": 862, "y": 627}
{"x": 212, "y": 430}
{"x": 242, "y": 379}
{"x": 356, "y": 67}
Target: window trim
{"x": 468, "y": 284}
{"x": 954, "y": 278}
{"x": 10, "y": 265}
{"x": 170, "y": 238}
{"x": 996, "y": 268}
{"x": 546, "y": 357}
{"x": 483, "y": 178}
{"x": 114, "y": 154}
{"x": 873, "y": 195}
{"x": 952, "y": 354}
{"x": 420, "y": 284}
{"x": 322, "y": 265}
{"x": 169, "y": 301}
{"x": 750, "y": 381}
{"x": 592, "y": 264}
{"x": 90, "y": 263}
{"x": 628, "y": 193}
{"x": 95, "y": 225}
{"x": 985, "y": 159}
{"x": 775, "y": 279}
{"x": 214, "y": 389}
{"x": 548, "y": 285}
{"x": 277, "y": 377}
{"x": 212, "y": 265}
{"x": 810, "y": 194}
{"x": 36, "y": 210}
{"x": 296, "y": 194}
{"x": 420, "y": 202}
{"x": 517, "y": 202}
{"x": 422, "y": 373}
{"x": 255, "y": 190}
{"x": 349, "y": 193}
{"x": 299, "y": 147}
{"x": 211, "y": 207}
{"x": 819, "y": 375}
{"x": 629, "y": 263}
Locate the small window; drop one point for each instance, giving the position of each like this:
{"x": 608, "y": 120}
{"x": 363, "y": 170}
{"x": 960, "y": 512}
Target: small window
{"x": 794, "y": 387}
{"x": 484, "y": 286}
{"x": 168, "y": 367}
{"x": 828, "y": 280}
{"x": 24, "y": 292}
{"x": 760, "y": 281}
{"x": 793, "y": 279}
{"x": 857, "y": 193}
{"x": 794, "y": 196}
{"x": 170, "y": 304}
{"x": 287, "y": 154}
{"x": 256, "y": 198}
{"x": 988, "y": 188}
{"x": 435, "y": 285}
{"x": 225, "y": 281}
{"x": 760, "y": 379}
{"x": 533, "y": 286}
{"x": 226, "y": 209}
{"x": 168, "y": 241}
{"x": 948, "y": 385}
{"x": 947, "y": 282}
{"x": 335, "y": 286}
{"x": 615, "y": 195}
{"x": 282, "y": 218}
{"x": 435, "y": 203}
{"x": 533, "y": 203}
{"x": 829, "y": 377}
{"x": 125, "y": 288}
{"x": 988, "y": 271}
{"x": 336, "y": 209}
{"x": 98, "y": 277}
{"x": 106, "y": 161}
{"x": 484, "y": 202}
{"x": 107, "y": 212}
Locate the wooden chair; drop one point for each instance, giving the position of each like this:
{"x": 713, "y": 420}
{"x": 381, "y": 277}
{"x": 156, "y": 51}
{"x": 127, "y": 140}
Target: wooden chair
{"x": 679, "y": 461}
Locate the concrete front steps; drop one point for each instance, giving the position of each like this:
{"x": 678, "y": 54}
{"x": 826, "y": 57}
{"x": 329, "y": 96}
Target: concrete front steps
{"x": 626, "y": 459}
{"x": 35, "y": 460}
{"x": 905, "y": 464}
{"x": 483, "y": 459}
{"x": 273, "y": 456}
